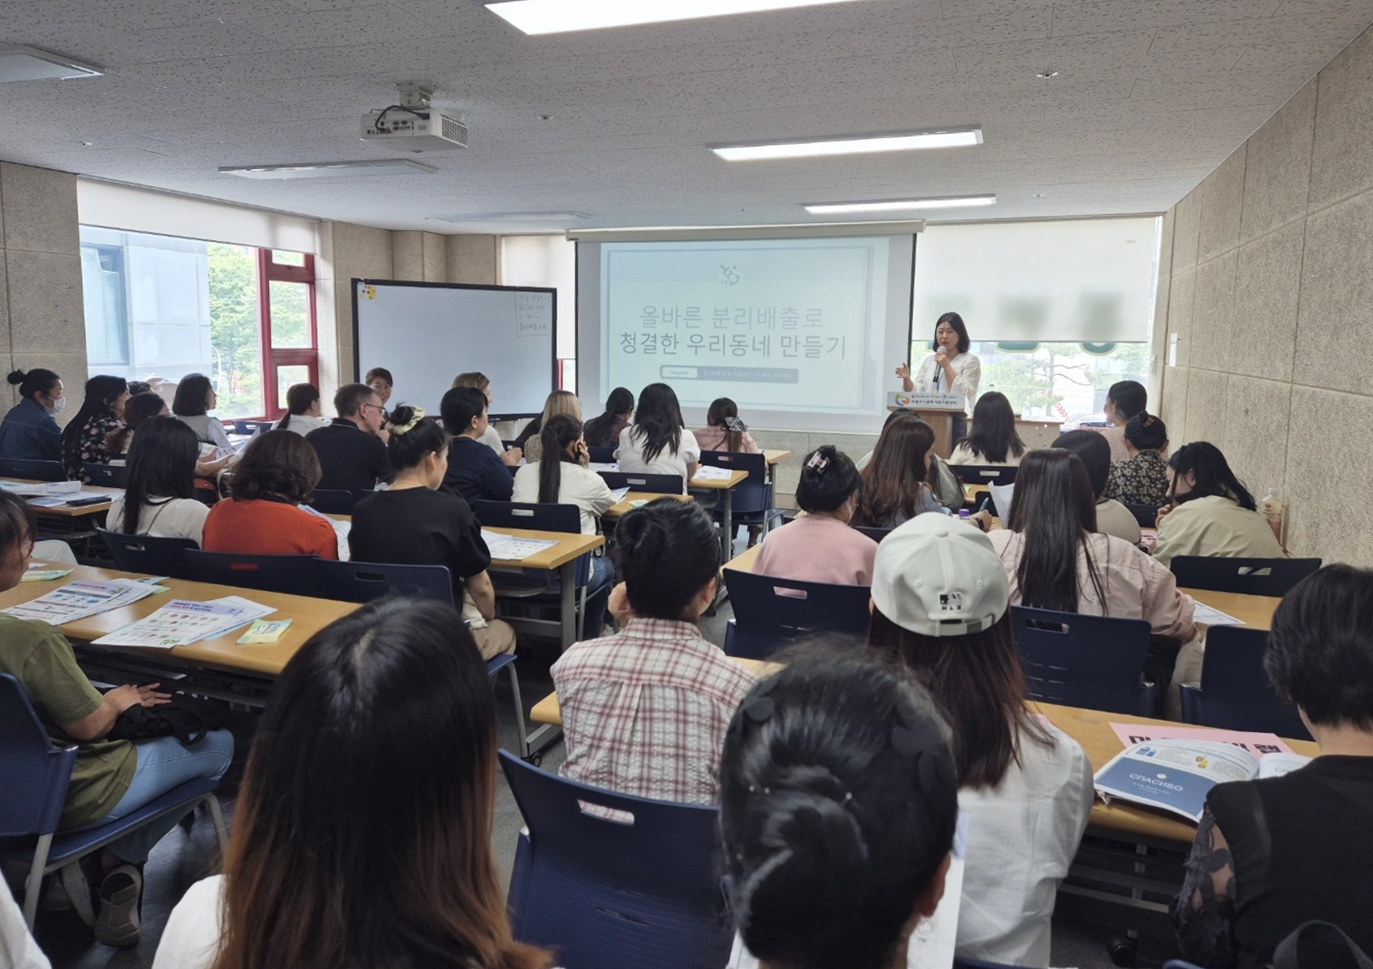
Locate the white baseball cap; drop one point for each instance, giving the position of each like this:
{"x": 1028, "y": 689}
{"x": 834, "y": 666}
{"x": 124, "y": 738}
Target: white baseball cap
{"x": 939, "y": 576}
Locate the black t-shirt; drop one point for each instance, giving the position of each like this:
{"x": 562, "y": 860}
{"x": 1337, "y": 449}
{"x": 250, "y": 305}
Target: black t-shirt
{"x": 352, "y": 459}
{"x": 476, "y": 473}
{"x": 416, "y": 526}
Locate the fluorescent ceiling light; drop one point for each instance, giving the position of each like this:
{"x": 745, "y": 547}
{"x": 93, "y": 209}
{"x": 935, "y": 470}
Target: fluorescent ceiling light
{"x": 20, "y": 63}
{"x": 899, "y": 205}
{"x": 343, "y": 169}
{"x": 942, "y": 138}
{"x": 560, "y": 16}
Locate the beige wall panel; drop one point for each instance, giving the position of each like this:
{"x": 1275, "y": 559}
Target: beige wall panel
{"x": 46, "y": 309}
{"x": 435, "y": 257}
{"x": 1222, "y": 198}
{"x": 361, "y": 251}
{"x": 1187, "y": 227}
{"x": 40, "y": 210}
{"x": 1326, "y": 515}
{"x": 1277, "y": 171}
{"x": 1267, "y": 286}
{"x": 1213, "y": 317}
{"x": 1173, "y": 403}
{"x": 1255, "y": 431}
{"x": 407, "y": 255}
{"x": 1181, "y": 309}
{"x": 1334, "y": 333}
{"x": 1208, "y": 408}
{"x": 473, "y": 259}
{"x": 1342, "y": 156}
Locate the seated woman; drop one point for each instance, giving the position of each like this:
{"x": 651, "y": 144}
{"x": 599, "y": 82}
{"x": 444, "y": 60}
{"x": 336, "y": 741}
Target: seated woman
{"x": 28, "y": 432}
{"x": 604, "y": 431}
{"x": 1143, "y": 479}
{"x": 112, "y": 778}
{"x": 838, "y": 799}
{"x": 195, "y": 397}
{"x": 941, "y": 605}
{"x": 1273, "y": 853}
{"x": 657, "y": 443}
{"x": 362, "y": 835}
{"x": 563, "y": 402}
{"x": 277, "y": 472}
{"x": 1209, "y": 512}
{"x": 724, "y": 431}
{"x": 475, "y": 473}
{"x": 819, "y": 546}
{"x": 415, "y": 522}
{"x": 1112, "y": 518}
{"x": 137, "y": 409}
{"x": 567, "y": 480}
{"x": 86, "y": 440}
{"x": 893, "y": 487}
{"x": 304, "y": 410}
{"x": 159, "y": 488}
{"x": 645, "y": 710}
{"x": 993, "y": 440}
{"x": 490, "y": 437}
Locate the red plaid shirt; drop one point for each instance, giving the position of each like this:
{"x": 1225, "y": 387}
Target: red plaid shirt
{"x": 645, "y": 712}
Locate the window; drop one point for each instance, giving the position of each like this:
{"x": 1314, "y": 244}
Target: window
{"x": 160, "y": 307}
{"x": 1067, "y": 381}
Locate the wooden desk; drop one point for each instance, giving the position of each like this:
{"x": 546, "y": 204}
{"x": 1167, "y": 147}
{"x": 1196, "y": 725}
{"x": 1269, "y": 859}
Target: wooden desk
{"x": 561, "y": 558}
{"x": 79, "y": 511}
{"x": 626, "y": 504}
{"x": 1255, "y": 611}
{"x": 726, "y": 487}
{"x": 774, "y": 458}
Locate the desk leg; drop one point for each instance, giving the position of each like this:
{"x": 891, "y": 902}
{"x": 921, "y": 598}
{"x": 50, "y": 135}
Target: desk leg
{"x": 727, "y": 527}
{"x": 567, "y": 579}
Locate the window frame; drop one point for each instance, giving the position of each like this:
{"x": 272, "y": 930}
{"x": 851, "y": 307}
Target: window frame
{"x": 273, "y": 358}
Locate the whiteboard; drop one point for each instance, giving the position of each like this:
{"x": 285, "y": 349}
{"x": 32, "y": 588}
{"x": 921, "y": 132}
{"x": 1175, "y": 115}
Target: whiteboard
{"x": 428, "y": 333}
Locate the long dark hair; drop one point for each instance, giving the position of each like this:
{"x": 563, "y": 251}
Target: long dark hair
{"x": 838, "y": 801}
{"x": 299, "y": 399}
{"x": 977, "y": 681}
{"x": 1054, "y": 510}
{"x": 658, "y": 422}
{"x": 597, "y": 430}
{"x": 161, "y": 465}
{"x": 191, "y": 394}
{"x": 722, "y": 409}
{"x": 137, "y": 409}
{"x": 1213, "y": 475}
{"x": 363, "y": 830}
{"x": 560, "y": 431}
{"x": 276, "y": 463}
{"x": 413, "y": 437}
{"x": 36, "y": 381}
{"x": 101, "y": 391}
{"x": 994, "y": 435}
{"x": 18, "y": 523}
{"x": 896, "y": 475}
{"x": 955, "y": 321}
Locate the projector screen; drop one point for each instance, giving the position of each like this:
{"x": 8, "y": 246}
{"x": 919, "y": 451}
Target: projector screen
{"x": 428, "y": 333}
{"x": 800, "y": 333}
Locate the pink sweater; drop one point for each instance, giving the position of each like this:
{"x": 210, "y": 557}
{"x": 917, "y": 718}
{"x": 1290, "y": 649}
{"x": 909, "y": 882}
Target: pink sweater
{"x": 817, "y": 548}
{"x": 713, "y": 439}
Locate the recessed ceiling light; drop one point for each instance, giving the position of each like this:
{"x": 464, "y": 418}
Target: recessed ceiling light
{"x": 1039, "y": 195}
{"x": 900, "y": 205}
{"x": 942, "y": 138}
{"x": 343, "y": 169}
{"x": 1046, "y": 74}
{"x": 20, "y": 63}
{"x": 559, "y": 16}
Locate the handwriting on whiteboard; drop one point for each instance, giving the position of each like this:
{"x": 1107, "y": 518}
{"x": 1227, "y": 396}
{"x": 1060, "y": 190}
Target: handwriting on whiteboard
{"x": 533, "y": 314}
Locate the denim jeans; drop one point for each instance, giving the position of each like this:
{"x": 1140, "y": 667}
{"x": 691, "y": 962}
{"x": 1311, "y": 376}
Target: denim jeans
{"x": 597, "y": 595}
{"x": 165, "y": 763}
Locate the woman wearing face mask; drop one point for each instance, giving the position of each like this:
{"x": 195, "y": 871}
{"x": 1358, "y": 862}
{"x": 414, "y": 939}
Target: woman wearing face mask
{"x": 951, "y": 369}
{"x": 29, "y": 432}
{"x": 820, "y": 546}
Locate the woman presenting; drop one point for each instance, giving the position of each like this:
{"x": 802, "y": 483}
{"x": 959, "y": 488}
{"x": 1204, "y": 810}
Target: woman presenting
{"x": 951, "y": 369}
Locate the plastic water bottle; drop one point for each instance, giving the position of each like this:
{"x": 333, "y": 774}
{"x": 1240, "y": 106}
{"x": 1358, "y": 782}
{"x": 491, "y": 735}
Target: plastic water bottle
{"x": 964, "y": 515}
{"x": 1274, "y": 508}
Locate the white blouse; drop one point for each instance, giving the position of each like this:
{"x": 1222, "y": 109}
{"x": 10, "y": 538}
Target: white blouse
{"x": 303, "y": 424}
{"x": 630, "y": 454}
{"x": 576, "y": 486}
{"x": 164, "y": 518}
{"x": 967, "y": 371}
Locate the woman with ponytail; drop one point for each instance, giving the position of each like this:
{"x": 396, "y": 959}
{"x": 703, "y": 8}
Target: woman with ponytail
{"x": 645, "y": 711}
{"x": 304, "y": 410}
{"x": 819, "y": 546}
{"x": 563, "y": 478}
{"x": 29, "y": 432}
{"x": 724, "y": 431}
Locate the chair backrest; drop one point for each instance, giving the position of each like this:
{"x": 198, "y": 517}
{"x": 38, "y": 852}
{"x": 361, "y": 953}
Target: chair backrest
{"x": 332, "y": 501}
{"x": 1255, "y": 577}
{"x": 601, "y": 455}
{"x": 36, "y": 774}
{"x": 876, "y": 534}
{"x": 1146, "y": 515}
{"x": 1081, "y": 661}
{"x": 519, "y": 514}
{"x": 753, "y": 494}
{"x": 149, "y": 555}
{"x": 291, "y": 574}
{"x": 984, "y": 473}
{"x": 33, "y": 470}
{"x": 106, "y": 475}
{"x": 365, "y": 581}
{"x": 661, "y": 484}
{"x": 608, "y": 894}
{"x": 770, "y": 612}
{"x": 1235, "y": 693}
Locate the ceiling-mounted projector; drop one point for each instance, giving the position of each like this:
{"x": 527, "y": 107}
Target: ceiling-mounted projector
{"x": 414, "y": 124}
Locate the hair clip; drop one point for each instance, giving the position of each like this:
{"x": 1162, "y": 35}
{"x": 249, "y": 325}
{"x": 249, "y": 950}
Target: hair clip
{"x": 417, "y": 415}
{"x": 818, "y": 462}
{"x": 734, "y": 424}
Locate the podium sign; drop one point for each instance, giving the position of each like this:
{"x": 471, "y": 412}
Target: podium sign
{"x": 914, "y": 401}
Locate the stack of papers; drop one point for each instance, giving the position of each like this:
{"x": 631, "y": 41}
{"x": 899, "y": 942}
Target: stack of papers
{"x": 73, "y": 497}
{"x": 618, "y": 494}
{"x": 182, "y": 622}
{"x": 43, "y": 488}
{"x": 79, "y": 599}
{"x": 509, "y": 548}
{"x": 708, "y": 472}
{"x": 1214, "y": 617}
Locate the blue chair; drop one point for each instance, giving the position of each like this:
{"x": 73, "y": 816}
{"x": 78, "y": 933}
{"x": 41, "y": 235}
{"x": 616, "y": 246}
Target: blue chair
{"x": 984, "y": 474}
{"x": 32, "y": 470}
{"x": 1255, "y": 577}
{"x": 149, "y": 555}
{"x": 330, "y": 501}
{"x": 106, "y": 475}
{"x": 1180, "y": 964}
{"x": 1234, "y": 693}
{"x": 1084, "y": 661}
{"x": 770, "y": 613}
{"x": 980, "y": 964}
{"x": 1146, "y": 515}
{"x": 36, "y": 778}
{"x": 751, "y": 499}
{"x": 296, "y": 575}
{"x": 606, "y": 894}
{"x": 658, "y": 484}
{"x": 601, "y": 455}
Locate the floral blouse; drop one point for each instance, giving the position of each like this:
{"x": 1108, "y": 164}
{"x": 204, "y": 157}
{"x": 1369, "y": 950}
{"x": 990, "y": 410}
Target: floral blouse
{"x": 1142, "y": 480}
{"x": 95, "y": 446}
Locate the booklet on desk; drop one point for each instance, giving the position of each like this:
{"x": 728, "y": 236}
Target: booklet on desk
{"x": 1176, "y": 775}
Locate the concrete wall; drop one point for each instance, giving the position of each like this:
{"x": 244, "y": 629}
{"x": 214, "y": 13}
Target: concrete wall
{"x": 1267, "y": 291}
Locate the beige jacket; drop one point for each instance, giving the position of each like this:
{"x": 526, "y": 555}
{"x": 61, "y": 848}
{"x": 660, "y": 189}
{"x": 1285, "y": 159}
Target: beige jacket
{"x": 1216, "y": 527}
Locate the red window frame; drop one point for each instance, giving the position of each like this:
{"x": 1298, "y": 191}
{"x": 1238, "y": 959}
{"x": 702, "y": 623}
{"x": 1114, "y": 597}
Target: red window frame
{"x": 273, "y": 358}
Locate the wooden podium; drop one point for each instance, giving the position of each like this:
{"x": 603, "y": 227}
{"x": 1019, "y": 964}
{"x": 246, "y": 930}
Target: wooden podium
{"x": 936, "y": 410}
